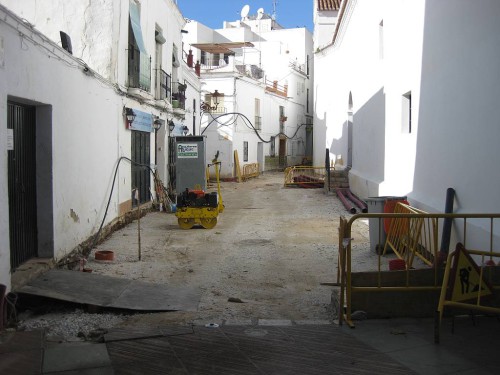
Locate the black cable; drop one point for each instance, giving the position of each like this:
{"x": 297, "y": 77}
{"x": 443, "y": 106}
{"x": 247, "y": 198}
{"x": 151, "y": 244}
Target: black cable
{"x": 247, "y": 122}
{"x": 96, "y": 237}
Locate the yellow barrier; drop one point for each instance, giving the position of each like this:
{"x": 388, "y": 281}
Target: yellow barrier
{"x": 426, "y": 236}
{"x": 305, "y": 176}
{"x": 250, "y": 170}
{"x": 412, "y": 237}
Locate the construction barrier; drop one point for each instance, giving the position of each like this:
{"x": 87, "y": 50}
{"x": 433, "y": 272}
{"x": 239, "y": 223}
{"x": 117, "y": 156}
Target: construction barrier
{"x": 419, "y": 232}
{"x": 412, "y": 237}
{"x": 250, "y": 170}
{"x": 305, "y": 176}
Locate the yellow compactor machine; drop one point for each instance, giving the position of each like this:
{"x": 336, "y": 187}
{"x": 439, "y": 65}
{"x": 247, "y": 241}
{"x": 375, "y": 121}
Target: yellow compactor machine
{"x": 199, "y": 207}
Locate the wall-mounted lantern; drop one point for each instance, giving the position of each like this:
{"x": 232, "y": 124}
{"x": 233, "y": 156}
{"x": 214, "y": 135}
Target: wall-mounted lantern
{"x": 157, "y": 123}
{"x": 130, "y": 114}
{"x": 171, "y": 126}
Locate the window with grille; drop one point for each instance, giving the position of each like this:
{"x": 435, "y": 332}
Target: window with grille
{"x": 139, "y": 62}
{"x": 245, "y": 151}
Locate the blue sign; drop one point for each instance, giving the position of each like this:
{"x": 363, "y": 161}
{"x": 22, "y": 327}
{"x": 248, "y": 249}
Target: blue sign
{"x": 143, "y": 122}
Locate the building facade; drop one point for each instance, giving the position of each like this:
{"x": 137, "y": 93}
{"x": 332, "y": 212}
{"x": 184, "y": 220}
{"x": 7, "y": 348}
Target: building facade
{"x": 256, "y": 91}
{"x": 405, "y": 97}
{"x": 69, "y": 75}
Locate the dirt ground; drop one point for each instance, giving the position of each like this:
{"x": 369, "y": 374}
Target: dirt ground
{"x": 272, "y": 248}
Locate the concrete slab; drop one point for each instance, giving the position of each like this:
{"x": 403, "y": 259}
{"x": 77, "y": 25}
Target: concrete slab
{"x": 106, "y": 291}
{"x": 72, "y": 357}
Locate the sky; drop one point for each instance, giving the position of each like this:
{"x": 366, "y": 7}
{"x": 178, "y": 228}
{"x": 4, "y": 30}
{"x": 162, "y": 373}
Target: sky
{"x": 289, "y": 13}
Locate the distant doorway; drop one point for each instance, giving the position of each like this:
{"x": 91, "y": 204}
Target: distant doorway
{"x": 282, "y": 153}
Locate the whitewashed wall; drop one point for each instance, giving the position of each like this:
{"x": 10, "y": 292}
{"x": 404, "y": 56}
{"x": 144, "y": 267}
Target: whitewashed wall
{"x": 446, "y": 53}
{"x": 382, "y": 154}
{"x": 88, "y": 136}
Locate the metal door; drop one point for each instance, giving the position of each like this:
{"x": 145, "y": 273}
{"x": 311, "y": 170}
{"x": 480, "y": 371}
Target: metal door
{"x": 23, "y": 230}
{"x": 141, "y": 179}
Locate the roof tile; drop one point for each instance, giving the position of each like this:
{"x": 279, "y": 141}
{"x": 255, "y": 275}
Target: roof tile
{"x": 328, "y": 5}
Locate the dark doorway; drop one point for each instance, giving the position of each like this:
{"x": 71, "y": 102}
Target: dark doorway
{"x": 282, "y": 153}
{"x": 23, "y": 229}
{"x": 141, "y": 179}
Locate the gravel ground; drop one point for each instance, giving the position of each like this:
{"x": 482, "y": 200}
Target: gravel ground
{"x": 271, "y": 250}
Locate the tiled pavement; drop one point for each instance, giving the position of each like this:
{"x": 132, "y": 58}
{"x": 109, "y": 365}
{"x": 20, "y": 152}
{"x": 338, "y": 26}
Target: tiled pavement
{"x": 392, "y": 346}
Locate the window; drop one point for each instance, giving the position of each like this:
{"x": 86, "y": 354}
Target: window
{"x": 272, "y": 144}
{"x": 307, "y": 65}
{"x": 406, "y": 113}
{"x": 161, "y": 76}
{"x": 245, "y": 151}
{"x": 139, "y": 62}
{"x": 258, "y": 118}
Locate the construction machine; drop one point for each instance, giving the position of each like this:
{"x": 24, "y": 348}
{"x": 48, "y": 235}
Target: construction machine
{"x": 196, "y": 206}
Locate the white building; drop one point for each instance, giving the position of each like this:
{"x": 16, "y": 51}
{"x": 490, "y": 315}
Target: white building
{"x": 260, "y": 76}
{"x": 406, "y": 94}
{"x": 69, "y": 146}
{"x": 325, "y": 14}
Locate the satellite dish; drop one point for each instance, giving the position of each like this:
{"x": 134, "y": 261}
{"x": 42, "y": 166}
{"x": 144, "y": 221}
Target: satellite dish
{"x": 244, "y": 11}
{"x": 260, "y": 13}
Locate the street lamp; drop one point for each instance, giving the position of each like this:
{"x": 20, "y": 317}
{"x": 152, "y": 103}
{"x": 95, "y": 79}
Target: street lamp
{"x": 130, "y": 114}
{"x": 157, "y": 124}
{"x": 185, "y": 130}
{"x": 205, "y": 107}
{"x": 171, "y": 126}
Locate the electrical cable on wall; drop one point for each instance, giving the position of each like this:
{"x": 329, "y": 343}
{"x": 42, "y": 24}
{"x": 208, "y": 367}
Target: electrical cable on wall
{"x": 96, "y": 236}
{"x": 249, "y": 125}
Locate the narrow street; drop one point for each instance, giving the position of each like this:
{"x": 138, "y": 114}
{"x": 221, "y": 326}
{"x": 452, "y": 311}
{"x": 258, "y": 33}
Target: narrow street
{"x": 271, "y": 250}
{"x": 264, "y": 261}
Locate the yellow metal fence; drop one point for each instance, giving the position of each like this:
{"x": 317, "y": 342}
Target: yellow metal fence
{"x": 250, "y": 170}
{"x": 413, "y": 233}
{"x": 305, "y": 176}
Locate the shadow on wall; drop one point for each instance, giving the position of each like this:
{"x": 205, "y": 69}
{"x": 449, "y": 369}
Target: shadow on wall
{"x": 368, "y": 139}
{"x": 469, "y": 70}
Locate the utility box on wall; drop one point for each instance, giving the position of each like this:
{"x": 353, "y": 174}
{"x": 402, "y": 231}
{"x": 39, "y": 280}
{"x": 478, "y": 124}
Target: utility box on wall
{"x": 187, "y": 160}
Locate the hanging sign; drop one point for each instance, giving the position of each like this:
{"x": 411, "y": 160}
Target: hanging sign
{"x": 187, "y": 150}
{"x": 143, "y": 122}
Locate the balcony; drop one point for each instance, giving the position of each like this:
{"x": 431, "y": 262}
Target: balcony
{"x": 273, "y": 87}
{"x": 301, "y": 68}
{"x": 231, "y": 65}
{"x": 178, "y": 95}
